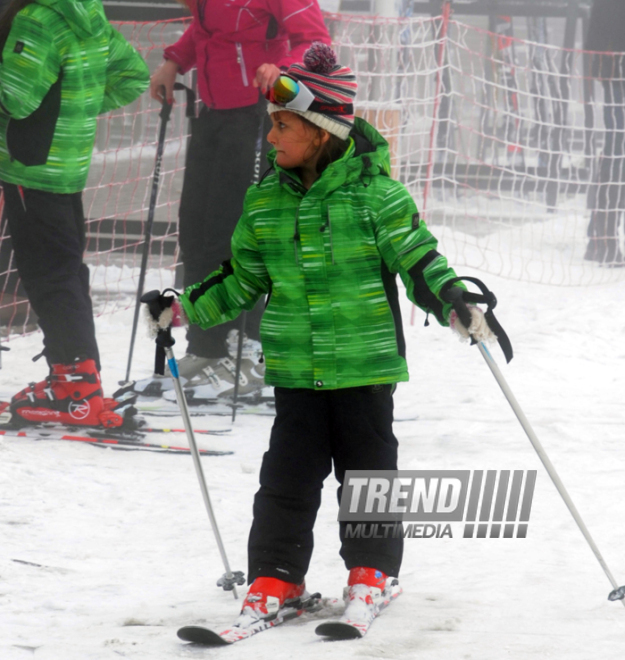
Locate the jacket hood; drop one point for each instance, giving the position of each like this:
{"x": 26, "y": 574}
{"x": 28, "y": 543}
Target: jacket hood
{"x": 367, "y": 156}
{"x": 84, "y": 17}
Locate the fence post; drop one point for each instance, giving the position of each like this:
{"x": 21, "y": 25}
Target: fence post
{"x": 445, "y": 15}
{"x": 437, "y": 98}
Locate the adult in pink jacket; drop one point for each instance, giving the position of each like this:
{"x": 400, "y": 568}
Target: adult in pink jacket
{"x": 238, "y": 48}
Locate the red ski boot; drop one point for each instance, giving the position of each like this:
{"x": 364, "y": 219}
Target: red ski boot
{"x": 267, "y": 595}
{"x": 369, "y": 576}
{"x": 367, "y": 593}
{"x": 71, "y": 394}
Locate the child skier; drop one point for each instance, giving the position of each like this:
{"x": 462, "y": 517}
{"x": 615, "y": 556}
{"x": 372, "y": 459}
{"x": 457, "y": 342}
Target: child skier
{"x": 62, "y": 65}
{"x": 323, "y": 236}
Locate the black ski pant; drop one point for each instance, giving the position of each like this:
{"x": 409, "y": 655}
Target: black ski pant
{"x": 222, "y": 160}
{"x": 610, "y": 202}
{"x": 10, "y": 283}
{"x": 351, "y": 428}
{"x": 48, "y": 234}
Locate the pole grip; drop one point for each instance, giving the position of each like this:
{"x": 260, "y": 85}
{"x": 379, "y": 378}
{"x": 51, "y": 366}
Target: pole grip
{"x": 165, "y": 107}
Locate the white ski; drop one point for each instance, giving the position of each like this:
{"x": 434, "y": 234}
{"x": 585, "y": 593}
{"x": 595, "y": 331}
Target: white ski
{"x": 246, "y": 626}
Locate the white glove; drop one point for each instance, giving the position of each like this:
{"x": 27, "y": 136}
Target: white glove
{"x": 173, "y": 316}
{"x": 479, "y": 328}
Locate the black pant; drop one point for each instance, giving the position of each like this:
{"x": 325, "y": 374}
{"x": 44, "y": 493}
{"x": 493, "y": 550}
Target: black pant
{"x": 351, "y": 427}
{"x": 610, "y": 202}
{"x": 10, "y": 283}
{"x": 48, "y": 233}
{"x": 220, "y": 166}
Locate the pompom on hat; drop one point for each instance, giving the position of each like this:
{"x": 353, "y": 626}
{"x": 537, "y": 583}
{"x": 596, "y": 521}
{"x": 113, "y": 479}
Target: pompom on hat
{"x": 332, "y": 85}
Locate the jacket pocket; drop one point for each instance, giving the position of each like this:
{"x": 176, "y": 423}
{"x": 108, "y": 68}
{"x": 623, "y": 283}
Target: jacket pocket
{"x": 29, "y": 140}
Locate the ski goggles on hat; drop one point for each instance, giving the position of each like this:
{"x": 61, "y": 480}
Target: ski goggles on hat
{"x": 291, "y": 94}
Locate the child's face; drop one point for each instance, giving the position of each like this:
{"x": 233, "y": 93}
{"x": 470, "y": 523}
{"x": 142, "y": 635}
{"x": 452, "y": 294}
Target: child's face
{"x": 295, "y": 142}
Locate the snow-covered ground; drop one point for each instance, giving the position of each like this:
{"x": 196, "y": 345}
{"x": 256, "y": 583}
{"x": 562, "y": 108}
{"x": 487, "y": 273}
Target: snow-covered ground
{"x": 105, "y": 553}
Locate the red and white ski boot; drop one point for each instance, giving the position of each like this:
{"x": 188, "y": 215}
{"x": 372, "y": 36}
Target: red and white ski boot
{"x": 71, "y": 394}
{"x": 269, "y": 603}
{"x": 367, "y": 593}
{"x": 266, "y": 597}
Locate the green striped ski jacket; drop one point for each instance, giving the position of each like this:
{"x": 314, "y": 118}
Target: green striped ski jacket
{"x": 62, "y": 65}
{"x": 328, "y": 258}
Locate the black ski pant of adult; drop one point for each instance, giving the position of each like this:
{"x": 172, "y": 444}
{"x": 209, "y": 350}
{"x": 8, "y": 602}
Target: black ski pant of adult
{"x": 610, "y": 200}
{"x": 351, "y": 427}
{"x": 10, "y": 282}
{"x": 223, "y": 158}
{"x": 48, "y": 233}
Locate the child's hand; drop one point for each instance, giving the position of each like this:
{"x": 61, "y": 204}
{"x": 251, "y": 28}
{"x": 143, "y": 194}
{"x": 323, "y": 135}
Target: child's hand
{"x": 479, "y": 328}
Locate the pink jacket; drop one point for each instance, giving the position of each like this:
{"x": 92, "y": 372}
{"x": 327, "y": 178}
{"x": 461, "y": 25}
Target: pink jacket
{"x": 229, "y": 39}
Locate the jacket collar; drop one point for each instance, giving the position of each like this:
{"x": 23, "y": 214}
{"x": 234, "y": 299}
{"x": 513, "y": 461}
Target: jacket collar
{"x": 366, "y": 157}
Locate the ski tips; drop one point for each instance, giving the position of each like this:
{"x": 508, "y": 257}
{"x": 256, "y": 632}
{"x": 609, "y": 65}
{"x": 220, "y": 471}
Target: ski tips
{"x": 201, "y": 635}
{"x": 338, "y": 630}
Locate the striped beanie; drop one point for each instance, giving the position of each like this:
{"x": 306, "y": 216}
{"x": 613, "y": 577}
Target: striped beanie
{"x": 334, "y": 88}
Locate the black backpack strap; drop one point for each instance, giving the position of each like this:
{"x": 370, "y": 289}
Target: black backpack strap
{"x": 459, "y": 298}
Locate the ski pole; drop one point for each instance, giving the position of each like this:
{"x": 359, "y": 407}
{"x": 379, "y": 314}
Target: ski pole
{"x": 157, "y": 304}
{"x": 618, "y": 593}
{"x": 147, "y": 240}
{"x": 237, "y": 372}
{"x": 229, "y": 579}
{"x": 164, "y": 115}
{"x": 459, "y": 297}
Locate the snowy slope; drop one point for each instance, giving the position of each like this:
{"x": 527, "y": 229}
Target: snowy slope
{"x": 126, "y": 554}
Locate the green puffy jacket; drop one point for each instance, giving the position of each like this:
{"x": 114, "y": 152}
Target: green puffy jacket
{"x": 62, "y": 65}
{"x": 328, "y": 258}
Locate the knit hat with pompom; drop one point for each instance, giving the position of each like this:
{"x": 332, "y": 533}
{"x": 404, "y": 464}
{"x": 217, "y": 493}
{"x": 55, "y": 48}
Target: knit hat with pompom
{"x": 334, "y": 87}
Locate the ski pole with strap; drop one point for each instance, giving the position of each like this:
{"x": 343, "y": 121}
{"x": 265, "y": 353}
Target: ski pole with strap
{"x": 160, "y": 311}
{"x": 459, "y": 297}
{"x": 164, "y": 116}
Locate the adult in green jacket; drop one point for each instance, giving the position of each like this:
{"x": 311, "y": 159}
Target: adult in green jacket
{"x": 62, "y": 65}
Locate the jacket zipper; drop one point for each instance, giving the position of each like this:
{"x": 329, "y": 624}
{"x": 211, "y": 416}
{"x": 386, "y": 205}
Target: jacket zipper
{"x": 330, "y": 233}
{"x": 241, "y": 62}
{"x": 6, "y": 140}
{"x": 211, "y": 103}
{"x": 296, "y": 235}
